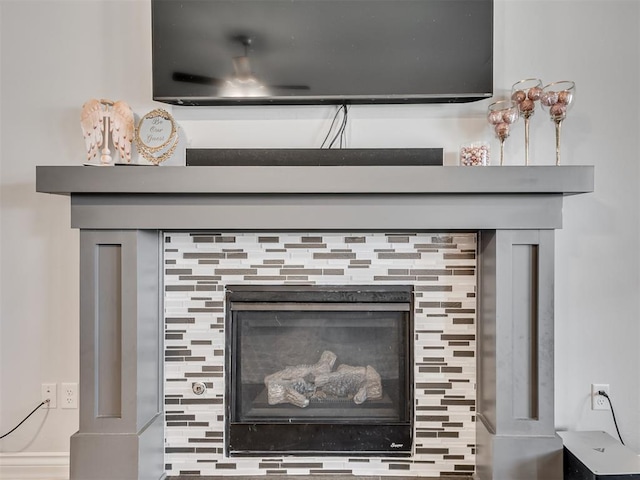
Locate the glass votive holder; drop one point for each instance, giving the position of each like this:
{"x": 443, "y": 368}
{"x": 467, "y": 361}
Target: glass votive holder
{"x": 474, "y": 154}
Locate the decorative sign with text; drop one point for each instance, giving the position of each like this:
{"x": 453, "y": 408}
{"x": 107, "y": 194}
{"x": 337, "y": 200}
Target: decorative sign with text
{"x": 157, "y": 136}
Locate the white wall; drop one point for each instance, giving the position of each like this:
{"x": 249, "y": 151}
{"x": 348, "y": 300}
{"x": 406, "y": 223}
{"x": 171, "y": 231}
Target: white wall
{"x": 57, "y": 54}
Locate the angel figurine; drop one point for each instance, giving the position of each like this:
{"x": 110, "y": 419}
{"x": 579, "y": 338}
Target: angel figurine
{"x": 101, "y": 117}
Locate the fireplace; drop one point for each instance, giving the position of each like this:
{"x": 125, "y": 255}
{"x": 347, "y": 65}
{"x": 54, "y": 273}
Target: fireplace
{"x": 317, "y": 370}
{"x": 123, "y": 213}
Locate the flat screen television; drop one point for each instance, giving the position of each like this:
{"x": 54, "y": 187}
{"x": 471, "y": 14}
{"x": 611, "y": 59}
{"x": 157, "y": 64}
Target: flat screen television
{"x": 254, "y": 52}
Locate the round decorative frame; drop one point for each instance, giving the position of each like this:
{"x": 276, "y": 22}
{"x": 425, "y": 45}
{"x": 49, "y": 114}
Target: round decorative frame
{"x": 156, "y": 136}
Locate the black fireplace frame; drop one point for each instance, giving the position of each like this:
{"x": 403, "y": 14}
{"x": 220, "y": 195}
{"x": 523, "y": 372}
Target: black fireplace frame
{"x": 367, "y": 437}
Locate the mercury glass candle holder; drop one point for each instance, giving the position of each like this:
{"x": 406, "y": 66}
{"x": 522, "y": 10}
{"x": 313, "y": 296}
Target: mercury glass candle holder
{"x": 557, "y": 98}
{"x": 525, "y": 93}
{"x": 501, "y": 115}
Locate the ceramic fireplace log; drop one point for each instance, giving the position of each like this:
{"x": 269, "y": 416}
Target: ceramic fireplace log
{"x": 291, "y": 384}
{"x": 361, "y": 383}
{"x": 298, "y": 384}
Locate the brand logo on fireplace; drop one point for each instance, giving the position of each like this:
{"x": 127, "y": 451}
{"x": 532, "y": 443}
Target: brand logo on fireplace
{"x": 397, "y": 445}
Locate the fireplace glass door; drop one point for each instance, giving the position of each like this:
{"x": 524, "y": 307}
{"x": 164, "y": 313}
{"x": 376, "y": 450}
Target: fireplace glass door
{"x": 319, "y": 370}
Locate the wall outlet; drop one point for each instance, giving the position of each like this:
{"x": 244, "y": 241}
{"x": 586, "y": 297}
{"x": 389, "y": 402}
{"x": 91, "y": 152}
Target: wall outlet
{"x": 69, "y": 396}
{"x": 598, "y": 402}
{"x": 49, "y": 391}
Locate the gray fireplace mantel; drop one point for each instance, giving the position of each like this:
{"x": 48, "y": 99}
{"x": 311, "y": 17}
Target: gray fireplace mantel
{"x": 122, "y": 212}
{"x": 130, "y": 197}
{"x": 322, "y": 180}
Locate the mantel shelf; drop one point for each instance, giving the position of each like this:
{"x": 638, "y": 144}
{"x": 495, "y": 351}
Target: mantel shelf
{"x": 564, "y": 180}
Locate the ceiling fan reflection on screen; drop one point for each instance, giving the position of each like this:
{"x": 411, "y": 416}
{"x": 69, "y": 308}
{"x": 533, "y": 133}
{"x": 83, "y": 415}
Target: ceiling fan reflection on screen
{"x": 242, "y": 83}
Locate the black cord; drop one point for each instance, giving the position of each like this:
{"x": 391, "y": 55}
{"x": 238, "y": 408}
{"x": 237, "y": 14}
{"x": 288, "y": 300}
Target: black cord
{"x": 613, "y": 414}
{"x": 341, "y": 131}
{"x": 345, "y": 116}
{"x": 24, "y": 420}
{"x": 335, "y": 117}
{"x": 343, "y": 128}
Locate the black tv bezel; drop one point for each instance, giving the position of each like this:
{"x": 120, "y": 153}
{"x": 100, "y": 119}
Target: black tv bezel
{"x": 324, "y": 100}
{"x": 314, "y": 100}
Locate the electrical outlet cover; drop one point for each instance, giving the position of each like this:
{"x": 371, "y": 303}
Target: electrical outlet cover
{"x": 49, "y": 391}
{"x": 598, "y": 402}
{"x": 69, "y": 396}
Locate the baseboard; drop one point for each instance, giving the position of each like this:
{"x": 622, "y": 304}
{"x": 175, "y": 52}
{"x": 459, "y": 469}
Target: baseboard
{"x": 34, "y": 466}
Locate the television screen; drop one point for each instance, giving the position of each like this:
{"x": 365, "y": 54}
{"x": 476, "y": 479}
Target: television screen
{"x": 220, "y": 52}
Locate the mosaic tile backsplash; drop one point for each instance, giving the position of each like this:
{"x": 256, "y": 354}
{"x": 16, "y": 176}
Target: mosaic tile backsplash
{"x": 440, "y": 266}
